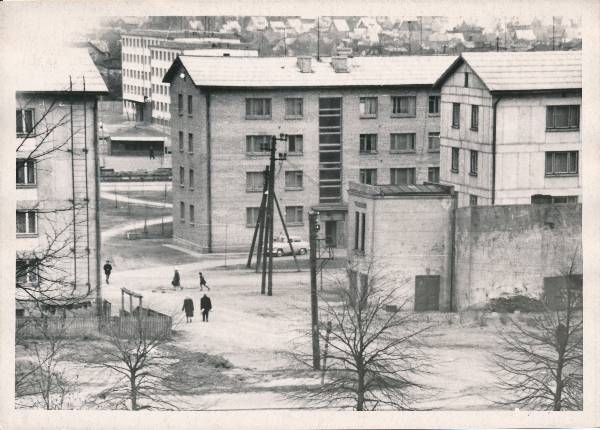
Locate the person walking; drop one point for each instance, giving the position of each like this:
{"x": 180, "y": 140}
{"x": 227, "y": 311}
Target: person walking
{"x": 203, "y": 282}
{"x": 176, "y": 282}
{"x": 152, "y": 153}
{"x": 188, "y": 307}
{"x": 205, "y": 307}
{"x": 107, "y": 270}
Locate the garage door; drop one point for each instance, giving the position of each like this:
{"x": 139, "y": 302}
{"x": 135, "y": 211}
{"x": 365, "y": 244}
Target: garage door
{"x": 427, "y": 293}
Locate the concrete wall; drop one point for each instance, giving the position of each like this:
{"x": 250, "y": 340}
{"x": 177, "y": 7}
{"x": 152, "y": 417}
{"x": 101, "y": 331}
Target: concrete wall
{"x": 229, "y": 161}
{"x": 504, "y": 250}
{"x": 405, "y": 237}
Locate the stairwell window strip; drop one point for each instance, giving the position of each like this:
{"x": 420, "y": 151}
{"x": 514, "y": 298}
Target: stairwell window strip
{"x": 26, "y": 222}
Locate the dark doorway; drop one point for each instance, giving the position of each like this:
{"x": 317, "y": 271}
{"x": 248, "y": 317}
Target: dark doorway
{"x": 427, "y": 293}
{"x": 331, "y": 233}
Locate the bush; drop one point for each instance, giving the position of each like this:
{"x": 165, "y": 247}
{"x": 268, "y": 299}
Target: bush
{"x": 515, "y": 303}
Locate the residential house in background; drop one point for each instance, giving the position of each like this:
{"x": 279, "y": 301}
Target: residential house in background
{"x": 57, "y": 228}
{"x": 510, "y": 127}
{"x": 367, "y": 119}
{"x": 257, "y": 23}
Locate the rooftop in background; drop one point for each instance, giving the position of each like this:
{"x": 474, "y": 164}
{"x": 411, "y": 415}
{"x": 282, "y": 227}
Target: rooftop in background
{"x": 199, "y": 44}
{"x": 366, "y": 190}
{"x": 171, "y": 34}
{"x": 49, "y": 70}
{"x": 283, "y": 72}
{"x": 522, "y": 71}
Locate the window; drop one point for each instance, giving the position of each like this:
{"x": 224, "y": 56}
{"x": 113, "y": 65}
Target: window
{"x": 368, "y": 176}
{"x": 472, "y": 200}
{"x": 474, "y": 117}
{"x": 180, "y": 104}
{"x": 182, "y": 211}
{"x": 26, "y": 222}
{"x": 181, "y": 141}
{"x": 434, "y": 105}
{"x": 368, "y": 143}
{"x": 295, "y": 144}
{"x": 258, "y": 108}
{"x": 191, "y": 143}
{"x": 258, "y": 144}
{"x": 433, "y": 174}
{"x": 192, "y": 215}
{"x": 27, "y": 271}
{"x": 454, "y": 165}
{"x": 368, "y": 107}
{"x": 474, "y": 159}
{"x": 362, "y": 232}
{"x": 404, "y": 105}
{"x": 541, "y": 199}
{"x": 293, "y": 215}
{"x": 191, "y": 174}
{"x": 402, "y": 176}
{"x": 561, "y": 163}
{"x": 456, "y": 115}
{"x": 402, "y": 142}
{"x": 359, "y": 231}
{"x": 24, "y": 121}
{"x": 466, "y": 79}
{"x": 433, "y": 139}
{"x": 293, "y": 180}
{"x": 25, "y": 172}
{"x": 251, "y": 216}
{"x": 181, "y": 176}
{"x": 294, "y": 108}
{"x": 255, "y": 181}
{"x": 190, "y": 108}
{"x": 562, "y": 117}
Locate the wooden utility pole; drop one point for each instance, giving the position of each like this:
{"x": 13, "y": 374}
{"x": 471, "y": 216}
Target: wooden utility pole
{"x": 259, "y": 225}
{"x": 313, "y": 225}
{"x": 270, "y": 202}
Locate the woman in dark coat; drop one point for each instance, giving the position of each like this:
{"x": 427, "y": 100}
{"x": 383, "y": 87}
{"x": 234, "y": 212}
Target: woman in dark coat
{"x": 176, "y": 281}
{"x": 188, "y": 307}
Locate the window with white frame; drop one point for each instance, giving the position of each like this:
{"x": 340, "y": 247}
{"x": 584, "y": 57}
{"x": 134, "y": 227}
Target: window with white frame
{"x": 181, "y": 176}
{"x": 368, "y": 107}
{"x": 255, "y": 181}
{"x": 294, "y": 108}
{"x": 293, "y": 180}
{"x": 456, "y": 115}
{"x": 293, "y": 215}
{"x": 433, "y": 141}
{"x": 368, "y": 176}
{"x": 403, "y": 176}
{"x": 258, "y": 144}
{"x": 252, "y": 216}
{"x": 24, "y": 121}
{"x": 562, "y": 163}
{"x": 472, "y": 200}
{"x": 434, "y": 105}
{"x": 26, "y": 172}
{"x": 258, "y": 108}
{"x": 181, "y": 141}
{"x": 368, "y": 143}
{"x": 27, "y": 271}
{"x": 433, "y": 174}
{"x": 454, "y": 163}
{"x": 26, "y": 222}
{"x": 404, "y": 105}
{"x": 402, "y": 142}
{"x": 191, "y": 175}
{"x": 474, "y": 162}
{"x": 191, "y": 143}
{"x": 295, "y": 144}
{"x": 474, "y": 117}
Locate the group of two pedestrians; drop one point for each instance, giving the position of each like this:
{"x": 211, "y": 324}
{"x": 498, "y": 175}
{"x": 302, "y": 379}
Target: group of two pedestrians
{"x": 205, "y": 308}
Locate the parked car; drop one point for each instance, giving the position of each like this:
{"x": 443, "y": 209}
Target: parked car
{"x": 281, "y": 246}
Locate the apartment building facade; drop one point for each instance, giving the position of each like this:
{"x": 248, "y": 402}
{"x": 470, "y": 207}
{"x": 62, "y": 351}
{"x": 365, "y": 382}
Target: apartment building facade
{"x": 57, "y": 189}
{"x": 510, "y": 127}
{"x": 369, "y": 119}
{"x": 146, "y": 56}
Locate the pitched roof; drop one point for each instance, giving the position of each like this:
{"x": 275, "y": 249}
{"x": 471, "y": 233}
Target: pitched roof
{"x": 522, "y": 71}
{"x": 49, "y": 70}
{"x": 282, "y": 72}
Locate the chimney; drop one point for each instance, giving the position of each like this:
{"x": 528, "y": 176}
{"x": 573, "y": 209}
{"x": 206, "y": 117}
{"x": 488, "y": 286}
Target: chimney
{"x": 304, "y": 64}
{"x": 340, "y": 64}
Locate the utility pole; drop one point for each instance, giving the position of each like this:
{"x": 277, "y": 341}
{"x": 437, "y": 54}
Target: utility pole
{"x": 497, "y": 44}
{"x": 318, "y": 39}
{"x": 421, "y": 35}
{"x": 313, "y": 225}
{"x": 270, "y": 204}
{"x": 553, "y": 33}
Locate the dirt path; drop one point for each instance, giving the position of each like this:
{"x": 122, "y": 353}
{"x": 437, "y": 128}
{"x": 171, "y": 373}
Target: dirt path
{"x": 124, "y": 199}
{"x": 124, "y": 228}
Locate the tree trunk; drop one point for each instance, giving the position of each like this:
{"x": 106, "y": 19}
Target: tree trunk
{"x": 134, "y": 405}
{"x": 360, "y": 392}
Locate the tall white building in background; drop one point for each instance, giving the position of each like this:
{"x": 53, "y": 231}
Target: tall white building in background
{"x": 146, "y": 57}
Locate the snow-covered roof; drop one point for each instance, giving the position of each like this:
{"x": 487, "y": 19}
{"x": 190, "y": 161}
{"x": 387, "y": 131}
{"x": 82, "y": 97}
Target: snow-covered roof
{"x": 282, "y": 72}
{"x": 49, "y": 70}
{"x": 523, "y": 71}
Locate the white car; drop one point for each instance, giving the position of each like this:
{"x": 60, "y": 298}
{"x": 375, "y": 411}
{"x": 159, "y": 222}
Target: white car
{"x": 281, "y": 246}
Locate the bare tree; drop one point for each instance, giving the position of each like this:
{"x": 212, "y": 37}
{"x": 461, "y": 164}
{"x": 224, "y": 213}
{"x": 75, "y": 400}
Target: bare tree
{"x": 541, "y": 362}
{"x": 374, "y": 353}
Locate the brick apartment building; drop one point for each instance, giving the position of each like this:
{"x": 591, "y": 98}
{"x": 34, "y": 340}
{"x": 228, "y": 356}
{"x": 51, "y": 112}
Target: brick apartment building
{"x": 146, "y": 56}
{"x": 510, "y": 127}
{"x": 368, "y": 119}
{"x": 57, "y": 230}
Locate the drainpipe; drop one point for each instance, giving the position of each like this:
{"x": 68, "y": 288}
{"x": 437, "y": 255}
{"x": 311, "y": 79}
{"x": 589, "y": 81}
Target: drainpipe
{"x": 494, "y": 114}
{"x": 208, "y": 172}
{"x": 452, "y": 248}
{"x": 97, "y": 214}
